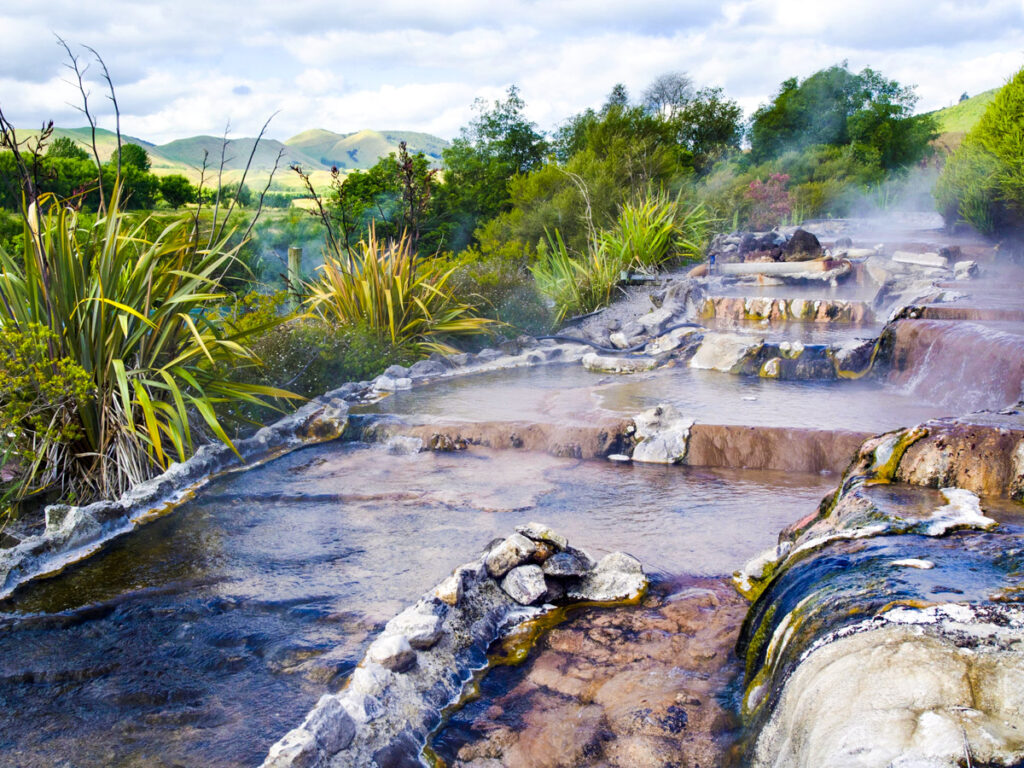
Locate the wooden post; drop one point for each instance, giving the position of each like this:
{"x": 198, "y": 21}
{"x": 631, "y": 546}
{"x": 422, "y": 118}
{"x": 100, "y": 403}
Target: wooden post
{"x": 295, "y": 275}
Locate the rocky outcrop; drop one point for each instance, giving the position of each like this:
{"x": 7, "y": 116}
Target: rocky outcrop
{"x": 425, "y": 656}
{"x": 781, "y": 309}
{"x": 752, "y": 355}
{"x": 899, "y": 601}
{"x": 603, "y": 437}
{"x": 799, "y": 245}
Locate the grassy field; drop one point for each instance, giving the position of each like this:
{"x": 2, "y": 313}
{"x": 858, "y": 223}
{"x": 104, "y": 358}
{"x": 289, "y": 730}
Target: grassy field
{"x": 961, "y": 117}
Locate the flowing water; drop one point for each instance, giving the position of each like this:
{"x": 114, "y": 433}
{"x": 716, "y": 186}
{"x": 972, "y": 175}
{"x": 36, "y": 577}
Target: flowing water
{"x": 205, "y": 636}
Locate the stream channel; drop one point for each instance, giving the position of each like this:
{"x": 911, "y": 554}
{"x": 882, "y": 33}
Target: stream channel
{"x": 203, "y": 637}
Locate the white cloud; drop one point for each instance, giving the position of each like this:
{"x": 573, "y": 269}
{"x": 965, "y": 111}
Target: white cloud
{"x": 187, "y": 67}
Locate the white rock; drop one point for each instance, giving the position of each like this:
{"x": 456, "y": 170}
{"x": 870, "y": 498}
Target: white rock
{"x": 663, "y": 435}
{"x": 592, "y": 361}
{"x": 296, "y": 749}
{"x": 513, "y": 551}
{"x": 525, "y": 584}
{"x": 618, "y": 340}
{"x": 449, "y": 591}
{"x": 964, "y": 270}
{"x": 331, "y": 725}
{"x": 913, "y": 562}
{"x": 723, "y": 351}
{"x": 962, "y": 511}
{"x": 422, "y": 630}
{"x": 540, "y": 532}
{"x": 618, "y": 576}
{"x": 392, "y": 652}
{"x": 920, "y": 259}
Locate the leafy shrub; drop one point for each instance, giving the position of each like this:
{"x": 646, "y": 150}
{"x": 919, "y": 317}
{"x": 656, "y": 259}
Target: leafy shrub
{"x": 771, "y": 203}
{"x": 983, "y": 181}
{"x": 656, "y": 230}
{"x": 39, "y": 401}
{"x": 579, "y": 285}
{"x": 309, "y": 356}
{"x": 134, "y": 311}
{"x": 499, "y": 285}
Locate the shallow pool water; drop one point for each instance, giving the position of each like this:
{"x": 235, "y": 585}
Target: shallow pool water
{"x": 571, "y": 394}
{"x": 206, "y": 635}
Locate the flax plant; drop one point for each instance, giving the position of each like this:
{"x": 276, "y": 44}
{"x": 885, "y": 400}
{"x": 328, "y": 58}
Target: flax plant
{"x": 138, "y": 314}
{"x": 381, "y": 286}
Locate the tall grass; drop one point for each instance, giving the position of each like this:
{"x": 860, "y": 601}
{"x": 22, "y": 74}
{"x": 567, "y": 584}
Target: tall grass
{"x": 137, "y": 313}
{"x": 648, "y": 235}
{"x": 383, "y": 287}
{"x": 576, "y": 285}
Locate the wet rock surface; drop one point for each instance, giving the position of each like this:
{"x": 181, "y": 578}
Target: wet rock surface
{"x": 634, "y": 687}
{"x": 396, "y": 695}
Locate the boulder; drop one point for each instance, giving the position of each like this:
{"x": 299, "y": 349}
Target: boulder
{"x": 525, "y": 584}
{"x": 618, "y": 576}
{"x": 396, "y": 371}
{"x": 422, "y": 630}
{"x": 965, "y": 270}
{"x": 571, "y": 562}
{"x": 662, "y": 435}
{"x": 392, "y": 652}
{"x": 512, "y": 552}
{"x": 426, "y": 368}
{"x": 724, "y": 351}
{"x": 802, "y": 246}
{"x": 540, "y": 532}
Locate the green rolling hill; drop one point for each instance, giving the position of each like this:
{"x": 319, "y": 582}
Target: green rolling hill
{"x": 961, "y": 117}
{"x": 315, "y": 150}
{"x": 955, "y": 121}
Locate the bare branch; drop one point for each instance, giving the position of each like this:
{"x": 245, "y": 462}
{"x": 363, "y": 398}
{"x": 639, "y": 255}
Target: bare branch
{"x": 220, "y": 177}
{"x": 248, "y": 165}
{"x": 113, "y": 98}
{"x": 263, "y": 194}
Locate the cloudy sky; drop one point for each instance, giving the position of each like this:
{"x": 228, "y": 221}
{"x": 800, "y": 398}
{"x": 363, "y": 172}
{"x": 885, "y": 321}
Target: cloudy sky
{"x": 187, "y": 67}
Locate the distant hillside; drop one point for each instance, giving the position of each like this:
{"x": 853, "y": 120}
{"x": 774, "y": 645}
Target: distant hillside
{"x": 961, "y": 117}
{"x": 106, "y": 141}
{"x": 315, "y": 150}
{"x": 362, "y": 149}
{"x": 954, "y": 122}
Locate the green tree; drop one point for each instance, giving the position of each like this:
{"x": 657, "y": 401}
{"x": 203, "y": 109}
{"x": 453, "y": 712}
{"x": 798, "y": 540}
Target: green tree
{"x": 135, "y": 156}
{"x": 498, "y": 144}
{"x": 708, "y": 125}
{"x": 64, "y": 146}
{"x": 837, "y": 107}
{"x": 177, "y": 190}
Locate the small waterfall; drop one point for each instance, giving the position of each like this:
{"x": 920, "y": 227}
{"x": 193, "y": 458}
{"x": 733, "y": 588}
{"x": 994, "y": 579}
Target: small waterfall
{"x": 962, "y": 366}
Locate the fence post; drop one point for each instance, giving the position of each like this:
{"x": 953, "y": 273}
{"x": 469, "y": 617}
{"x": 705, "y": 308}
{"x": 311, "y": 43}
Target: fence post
{"x": 295, "y": 275}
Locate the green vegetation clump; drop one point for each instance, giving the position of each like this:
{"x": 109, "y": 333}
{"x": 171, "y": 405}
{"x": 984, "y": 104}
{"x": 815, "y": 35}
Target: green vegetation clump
{"x": 983, "y": 181}
{"x": 384, "y": 288}
{"x": 136, "y": 314}
{"x": 648, "y": 234}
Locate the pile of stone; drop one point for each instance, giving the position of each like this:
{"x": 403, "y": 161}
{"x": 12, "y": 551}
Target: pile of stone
{"x": 425, "y": 656}
{"x": 736, "y": 247}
